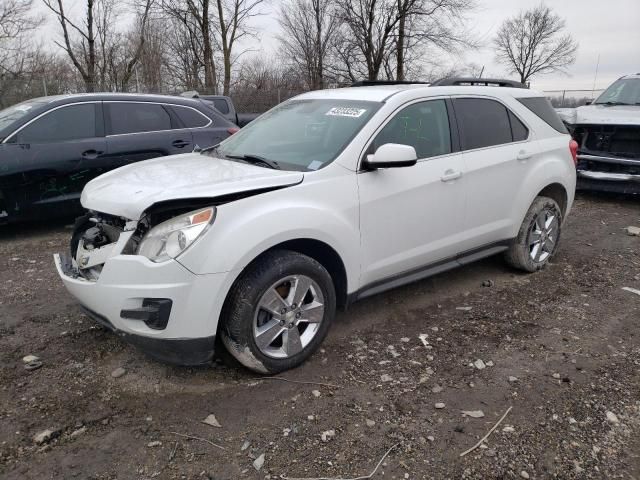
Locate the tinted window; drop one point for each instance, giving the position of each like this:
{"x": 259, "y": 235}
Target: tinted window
{"x": 190, "y": 118}
{"x": 543, "y": 109}
{"x": 518, "y": 130}
{"x": 221, "y": 105}
{"x": 138, "y": 117}
{"x": 482, "y": 122}
{"x": 424, "y": 126}
{"x": 10, "y": 115}
{"x": 67, "y": 123}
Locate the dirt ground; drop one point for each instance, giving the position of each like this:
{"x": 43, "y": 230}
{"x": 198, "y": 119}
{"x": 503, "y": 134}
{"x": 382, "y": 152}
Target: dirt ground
{"x": 560, "y": 348}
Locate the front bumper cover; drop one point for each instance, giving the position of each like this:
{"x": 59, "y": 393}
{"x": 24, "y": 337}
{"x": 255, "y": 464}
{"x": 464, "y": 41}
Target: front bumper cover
{"x": 619, "y": 176}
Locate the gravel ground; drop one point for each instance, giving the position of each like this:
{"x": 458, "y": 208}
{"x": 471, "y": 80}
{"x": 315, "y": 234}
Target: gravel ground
{"x": 559, "y": 348}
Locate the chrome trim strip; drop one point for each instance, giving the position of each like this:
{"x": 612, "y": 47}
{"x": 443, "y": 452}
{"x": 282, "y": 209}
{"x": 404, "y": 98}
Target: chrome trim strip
{"x": 6, "y": 140}
{"x": 615, "y": 177}
{"x": 599, "y": 158}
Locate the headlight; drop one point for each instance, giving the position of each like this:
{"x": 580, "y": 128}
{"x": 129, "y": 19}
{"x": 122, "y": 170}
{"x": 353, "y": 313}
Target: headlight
{"x": 169, "y": 239}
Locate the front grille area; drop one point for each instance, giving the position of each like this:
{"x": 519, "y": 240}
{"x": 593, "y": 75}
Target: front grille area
{"x": 614, "y": 140}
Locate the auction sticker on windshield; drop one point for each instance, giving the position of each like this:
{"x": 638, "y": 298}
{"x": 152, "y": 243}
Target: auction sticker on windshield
{"x": 346, "y": 112}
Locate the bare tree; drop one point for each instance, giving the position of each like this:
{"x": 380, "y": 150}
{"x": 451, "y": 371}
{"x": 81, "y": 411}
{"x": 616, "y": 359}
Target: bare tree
{"x": 87, "y": 43}
{"x": 533, "y": 43}
{"x": 430, "y": 24}
{"x": 368, "y": 34}
{"x": 232, "y": 25}
{"x": 308, "y": 31}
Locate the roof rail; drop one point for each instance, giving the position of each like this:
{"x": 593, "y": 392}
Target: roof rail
{"x": 373, "y": 83}
{"x": 470, "y": 81}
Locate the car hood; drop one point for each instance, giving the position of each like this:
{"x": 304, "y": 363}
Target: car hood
{"x": 128, "y": 191}
{"x": 601, "y": 115}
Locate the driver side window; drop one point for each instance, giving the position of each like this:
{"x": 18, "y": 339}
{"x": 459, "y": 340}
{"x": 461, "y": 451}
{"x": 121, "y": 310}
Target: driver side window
{"x": 423, "y": 126}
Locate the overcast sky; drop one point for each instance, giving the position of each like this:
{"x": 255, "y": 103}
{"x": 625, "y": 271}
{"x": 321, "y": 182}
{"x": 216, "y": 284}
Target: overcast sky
{"x": 609, "y": 28}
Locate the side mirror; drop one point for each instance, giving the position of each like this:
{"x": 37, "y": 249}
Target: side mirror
{"x": 391, "y": 155}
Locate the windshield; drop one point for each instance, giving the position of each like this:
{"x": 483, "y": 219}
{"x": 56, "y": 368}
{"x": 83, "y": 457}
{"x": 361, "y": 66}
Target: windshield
{"x": 625, "y": 91}
{"x": 11, "y": 114}
{"x": 301, "y": 134}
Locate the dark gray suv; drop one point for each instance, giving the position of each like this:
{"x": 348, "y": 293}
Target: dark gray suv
{"x": 51, "y": 147}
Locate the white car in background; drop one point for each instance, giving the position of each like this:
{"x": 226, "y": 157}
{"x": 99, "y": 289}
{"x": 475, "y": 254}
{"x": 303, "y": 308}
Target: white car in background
{"x": 608, "y": 136}
{"x": 328, "y": 198}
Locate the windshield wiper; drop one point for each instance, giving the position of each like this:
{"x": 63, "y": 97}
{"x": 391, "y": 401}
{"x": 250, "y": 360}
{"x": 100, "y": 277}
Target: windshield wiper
{"x": 612, "y": 104}
{"x": 256, "y": 160}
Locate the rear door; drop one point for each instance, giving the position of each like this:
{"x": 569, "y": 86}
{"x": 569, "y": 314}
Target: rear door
{"x": 47, "y": 162}
{"x": 497, "y": 151}
{"x": 143, "y": 130}
{"x": 207, "y": 129}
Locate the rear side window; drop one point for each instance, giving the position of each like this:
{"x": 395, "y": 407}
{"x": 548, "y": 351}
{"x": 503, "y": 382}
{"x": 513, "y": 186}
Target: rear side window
{"x": 132, "y": 117}
{"x": 74, "y": 122}
{"x": 543, "y": 109}
{"x": 190, "y": 117}
{"x": 424, "y": 126}
{"x": 221, "y": 105}
{"x": 482, "y": 122}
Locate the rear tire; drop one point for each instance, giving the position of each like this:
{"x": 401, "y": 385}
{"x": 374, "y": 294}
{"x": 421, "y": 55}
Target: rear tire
{"x": 278, "y": 312}
{"x": 538, "y": 237}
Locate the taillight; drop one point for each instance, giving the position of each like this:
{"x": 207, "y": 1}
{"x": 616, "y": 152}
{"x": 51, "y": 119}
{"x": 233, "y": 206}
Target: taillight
{"x": 233, "y": 130}
{"x": 573, "y": 147}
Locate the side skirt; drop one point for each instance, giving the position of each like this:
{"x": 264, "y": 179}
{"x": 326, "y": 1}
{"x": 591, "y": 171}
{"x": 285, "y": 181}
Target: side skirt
{"x": 430, "y": 270}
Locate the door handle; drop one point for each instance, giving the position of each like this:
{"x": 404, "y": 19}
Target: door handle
{"x": 91, "y": 154}
{"x": 180, "y": 143}
{"x": 523, "y": 155}
{"x": 450, "y": 175}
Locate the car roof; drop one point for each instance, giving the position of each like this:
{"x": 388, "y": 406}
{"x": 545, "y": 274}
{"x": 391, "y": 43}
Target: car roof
{"x": 380, "y": 93}
{"x": 633, "y": 75}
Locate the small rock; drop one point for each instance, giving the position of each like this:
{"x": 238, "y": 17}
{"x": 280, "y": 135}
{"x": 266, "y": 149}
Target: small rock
{"x": 508, "y": 429}
{"x": 490, "y": 363}
{"x": 311, "y": 417}
{"x": 212, "y": 420}
{"x": 43, "y": 437}
{"x": 437, "y": 389}
{"x": 30, "y": 358}
{"x": 370, "y": 423}
{"x": 488, "y": 283}
{"x": 479, "y": 364}
{"x": 118, "y": 372}
{"x": 633, "y": 231}
{"x": 155, "y": 443}
{"x": 245, "y": 445}
{"x": 430, "y": 438}
{"x": 315, "y": 393}
{"x": 556, "y": 375}
{"x": 612, "y": 418}
{"x": 286, "y": 432}
{"x": 386, "y": 378}
{"x": 258, "y": 462}
{"x": 439, "y": 405}
{"x": 464, "y": 309}
{"x": 473, "y": 413}
{"x": 524, "y": 474}
{"x": 512, "y": 379}
{"x": 78, "y": 432}
{"x": 329, "y": 434}
{"x": 405, "y": 339}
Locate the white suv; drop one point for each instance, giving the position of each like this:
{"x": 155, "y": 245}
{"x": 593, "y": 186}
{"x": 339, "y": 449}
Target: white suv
{"x": 328, "y": 198}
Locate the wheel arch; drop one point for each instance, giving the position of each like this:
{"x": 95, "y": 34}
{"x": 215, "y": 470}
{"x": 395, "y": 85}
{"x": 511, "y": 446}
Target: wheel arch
{"x": 557, "y": 192}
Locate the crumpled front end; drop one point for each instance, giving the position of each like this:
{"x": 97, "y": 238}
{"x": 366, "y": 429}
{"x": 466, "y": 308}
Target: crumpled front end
{"x": 163, "y": 308}
{"x": 608, "y": 157}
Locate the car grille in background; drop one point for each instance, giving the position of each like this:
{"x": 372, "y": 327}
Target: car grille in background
{"x": 616, "y": 140}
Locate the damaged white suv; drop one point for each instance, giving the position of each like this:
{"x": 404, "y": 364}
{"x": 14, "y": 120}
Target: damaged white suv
{"x": 330, "y": 197}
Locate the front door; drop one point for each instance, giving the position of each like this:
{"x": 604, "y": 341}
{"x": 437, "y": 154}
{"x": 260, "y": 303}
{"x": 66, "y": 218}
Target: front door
{"x": 412, "y": 217}
{"x": 46, "y": 164}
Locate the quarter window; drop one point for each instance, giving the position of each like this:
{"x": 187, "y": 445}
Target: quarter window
{"x": 424, "y": 126}
{"x": 518, "y": 131}
{"x": 191, "y": 118}
{"x": 74, "y": 122}
{"x": 137, "y": 117}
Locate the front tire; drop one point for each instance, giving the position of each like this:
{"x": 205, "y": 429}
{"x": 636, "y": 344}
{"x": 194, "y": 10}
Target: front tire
{"x": 538, "y": 237}
{"x": 278, "y": 312}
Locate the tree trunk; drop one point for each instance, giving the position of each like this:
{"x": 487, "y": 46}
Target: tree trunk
{"x": 209, "y": 67}
{"x": 319, "y": 74}
{"x": 90, "y": 81}
{"x": 400, "y": 44}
